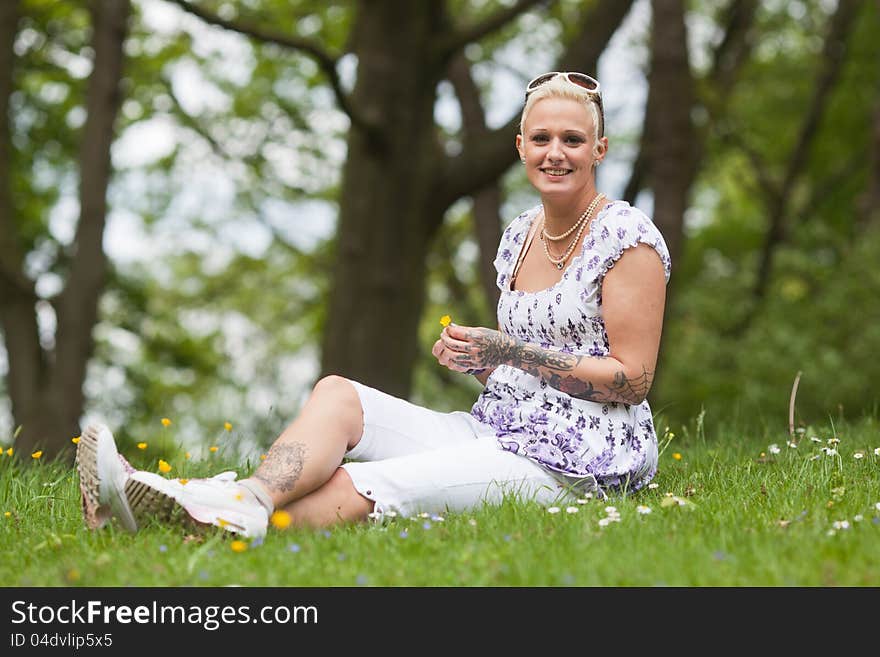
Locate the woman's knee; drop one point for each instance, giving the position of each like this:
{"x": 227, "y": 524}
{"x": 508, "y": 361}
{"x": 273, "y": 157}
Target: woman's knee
{"x": 339, "y": 396}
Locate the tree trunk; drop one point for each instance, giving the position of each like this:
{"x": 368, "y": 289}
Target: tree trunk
{"x": 386, "y": 215}
{"x": 52, "y": 417}
{"x": 17, "y": 297}
{"x": 670, "y": 98}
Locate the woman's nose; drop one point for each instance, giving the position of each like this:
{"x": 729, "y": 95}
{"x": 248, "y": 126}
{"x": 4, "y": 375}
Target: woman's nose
{"x": 555, "y": 150}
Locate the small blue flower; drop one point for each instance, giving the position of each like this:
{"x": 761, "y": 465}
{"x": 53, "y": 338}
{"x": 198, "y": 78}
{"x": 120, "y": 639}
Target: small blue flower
{"x": 361, "y": 580}
{"x": 163, "y": 548}
{"x": 403, "y": 534}
{"x": 426, "y": 525}
{"x": 293, "y": 547}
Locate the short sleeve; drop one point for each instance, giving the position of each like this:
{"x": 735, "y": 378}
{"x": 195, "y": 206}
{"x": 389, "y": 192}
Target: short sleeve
{"x": 623, "y": 227}
{"x": 510, "y": 246}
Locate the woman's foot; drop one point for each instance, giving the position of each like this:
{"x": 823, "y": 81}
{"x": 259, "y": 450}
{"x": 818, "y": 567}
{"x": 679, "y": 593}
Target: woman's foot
{"x": 110, "y": 487}
{"x": 103, "y": 474}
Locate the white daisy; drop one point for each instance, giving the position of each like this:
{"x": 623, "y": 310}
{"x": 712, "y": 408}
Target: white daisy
{"x": 643, "y": 510}
{"x": 773, "y": 449}
{"x": 571, "y": 509}
{"x": 553, "y": 509}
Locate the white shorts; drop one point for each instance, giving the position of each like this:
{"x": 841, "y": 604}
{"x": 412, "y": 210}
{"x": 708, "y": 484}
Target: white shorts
{"x": 412, "y": 460}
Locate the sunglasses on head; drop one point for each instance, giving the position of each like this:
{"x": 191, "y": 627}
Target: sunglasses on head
{"x": 581, "y": 80}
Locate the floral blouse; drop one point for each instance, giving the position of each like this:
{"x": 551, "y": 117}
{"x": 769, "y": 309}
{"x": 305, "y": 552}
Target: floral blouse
{"x": 611, "y": 444}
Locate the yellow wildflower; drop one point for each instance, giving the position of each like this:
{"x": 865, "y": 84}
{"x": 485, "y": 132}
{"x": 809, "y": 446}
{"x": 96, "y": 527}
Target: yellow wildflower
{"x": 446, "y": 320}
{"x": 166, "y": 422}
{"x": 164, "y": 467}
{"x": 75, "y": 440}
{"x": 142, "y": 445}
{"x": 213, "y": 448}
{"x": 262, "y": 457}
{"x": 183, "y": 482}
{"x": 227, "y": 426}
{"x": 238, "y": 546}
{"x": 37, "y": 454}
{"x": 9, "y": 452}
{"x": 8, "y": 514}
{"x": 280, "y": 519}
{"x": 187, "y": 456}
{"x": 676, "y": 456}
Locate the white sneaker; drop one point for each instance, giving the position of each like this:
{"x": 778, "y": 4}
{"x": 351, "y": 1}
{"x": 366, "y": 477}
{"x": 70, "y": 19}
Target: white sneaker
{"x": 102, "y": 477}
{"x": 217, "y": 501}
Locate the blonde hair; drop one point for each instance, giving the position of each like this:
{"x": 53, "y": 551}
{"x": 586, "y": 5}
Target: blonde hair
{"x": 559, "y": 87}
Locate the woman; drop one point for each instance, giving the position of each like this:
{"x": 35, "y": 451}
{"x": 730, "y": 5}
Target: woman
{"x": 563, "y": 411}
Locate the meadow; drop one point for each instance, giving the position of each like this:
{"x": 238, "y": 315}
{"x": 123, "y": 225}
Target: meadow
{"x": 725, "y": 509}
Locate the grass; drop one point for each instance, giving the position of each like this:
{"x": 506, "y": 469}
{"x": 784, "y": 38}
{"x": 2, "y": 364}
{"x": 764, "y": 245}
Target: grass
{"x": 729, "y": 512}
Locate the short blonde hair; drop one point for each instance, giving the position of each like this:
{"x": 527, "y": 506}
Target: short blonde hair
{"x": 559, "y": 87}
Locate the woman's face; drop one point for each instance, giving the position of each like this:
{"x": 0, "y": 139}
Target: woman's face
{"x": 557, "y": 144}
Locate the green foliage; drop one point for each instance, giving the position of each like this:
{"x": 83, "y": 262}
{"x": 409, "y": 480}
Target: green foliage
{"x": 820, "y": 312}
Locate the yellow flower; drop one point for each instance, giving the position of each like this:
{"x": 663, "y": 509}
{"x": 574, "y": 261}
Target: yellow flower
{"x": 183, "y": 482}
{"x": 238, "y": 546}
{"x": 164, "y": 467}
{"x": 75, "y": 441}
{"x": 262, "y": 457}
{"x": 9, "y": 452}
{"x": 227, "y": 426}
{"x": 8, "y": 514}
{"x": 280, "y": 519}
{"x": 142, "y": 445}
{"x": 37, "y": 454}
{"x": 213, "y": 448}
{"x": 676, "y": 456}
{"x": 187, "y": 456}
{"x": 445, "y": 320}
{"x": 166, "y": 422}
{"x": 73, "y": 575}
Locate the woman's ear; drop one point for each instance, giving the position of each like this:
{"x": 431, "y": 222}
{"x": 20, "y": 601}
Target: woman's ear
{"x": 519, "y": 148}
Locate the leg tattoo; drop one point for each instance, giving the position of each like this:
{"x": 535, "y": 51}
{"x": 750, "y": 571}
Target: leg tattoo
{"x": 282, "y": 467}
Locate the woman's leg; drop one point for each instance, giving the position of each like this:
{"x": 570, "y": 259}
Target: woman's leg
{"x": 337, "y": 501}
{"x": 308, "y": 452}
{"x": 457, "y": 478}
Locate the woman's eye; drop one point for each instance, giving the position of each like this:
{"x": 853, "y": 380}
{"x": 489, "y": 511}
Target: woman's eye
{"x": 574, "y": 140}
{"x": 540, "y": 139}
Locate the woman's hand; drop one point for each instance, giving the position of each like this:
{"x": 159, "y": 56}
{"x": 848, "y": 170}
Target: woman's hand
{"x": 446, "y": 357}
{"x": 469, "y": 348}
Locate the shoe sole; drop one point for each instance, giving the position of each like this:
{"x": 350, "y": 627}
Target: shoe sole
{"x": 149, "y": 504}
{"x": 102, "y": 495}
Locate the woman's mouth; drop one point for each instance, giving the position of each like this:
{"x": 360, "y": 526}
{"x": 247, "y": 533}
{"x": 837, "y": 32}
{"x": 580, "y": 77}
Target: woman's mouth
{"x": 556, "y": 173}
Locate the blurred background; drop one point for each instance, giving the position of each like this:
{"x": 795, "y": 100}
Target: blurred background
{"x": 205, "y": 205}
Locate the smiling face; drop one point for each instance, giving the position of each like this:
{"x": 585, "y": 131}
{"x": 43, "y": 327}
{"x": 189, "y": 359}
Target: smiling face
{"x": 559, "y": 147}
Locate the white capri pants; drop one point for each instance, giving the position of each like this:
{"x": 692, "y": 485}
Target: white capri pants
{"x": 412, "y": 460}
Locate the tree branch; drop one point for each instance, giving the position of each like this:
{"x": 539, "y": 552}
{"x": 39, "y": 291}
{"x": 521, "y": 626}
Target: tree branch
{"x": 831, "y": 62}
{"x": 459, "y": 39}
{"x": 325, "y": 60}
{"x": 727, "y": 61}
{"x": 487, "y": 201}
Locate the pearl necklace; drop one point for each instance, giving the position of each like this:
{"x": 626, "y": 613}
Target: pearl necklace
{"x": 580, "y": 225}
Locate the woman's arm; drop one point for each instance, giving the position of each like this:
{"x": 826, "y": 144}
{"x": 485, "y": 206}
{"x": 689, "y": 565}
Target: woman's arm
{"x": 633, "y": 299}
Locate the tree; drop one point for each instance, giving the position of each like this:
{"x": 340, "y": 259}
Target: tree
{"x": 46, "y": 376}
{"x": 398, "y": 182}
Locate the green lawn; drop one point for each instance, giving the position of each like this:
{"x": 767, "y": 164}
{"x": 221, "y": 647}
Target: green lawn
{"x": 730, "y": 512}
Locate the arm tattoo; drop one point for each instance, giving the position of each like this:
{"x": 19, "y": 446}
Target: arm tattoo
{"x": 631, "y": 391}
{"x": 282, "y": 467}
{"x": 622, "y": 389}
